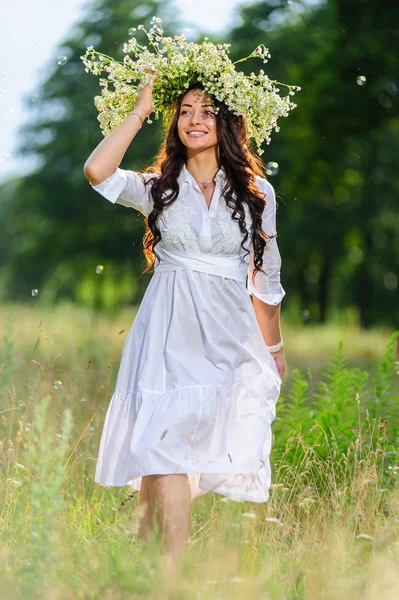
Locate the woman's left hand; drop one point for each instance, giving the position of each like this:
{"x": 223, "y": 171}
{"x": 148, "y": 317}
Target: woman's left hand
{"x": 281, "y": 363}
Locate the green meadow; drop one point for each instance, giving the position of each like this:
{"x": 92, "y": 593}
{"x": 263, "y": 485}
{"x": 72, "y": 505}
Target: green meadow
{"x": 330, "y": 529}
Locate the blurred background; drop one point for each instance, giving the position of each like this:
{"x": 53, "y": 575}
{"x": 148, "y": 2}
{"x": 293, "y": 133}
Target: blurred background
{"x": 333, "y": 159}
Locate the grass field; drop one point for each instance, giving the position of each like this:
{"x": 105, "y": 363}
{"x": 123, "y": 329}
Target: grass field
{"x": 330, "y": 529}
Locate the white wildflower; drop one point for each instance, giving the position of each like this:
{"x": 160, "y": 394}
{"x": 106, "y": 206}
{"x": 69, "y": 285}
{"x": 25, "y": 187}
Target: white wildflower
{"x": 178, "y": 64}
{"x": 364, "y": 536}
{"x": 14, "y": 482}
{"x": 250, "y": 515}
{"x": 274, "y": 520}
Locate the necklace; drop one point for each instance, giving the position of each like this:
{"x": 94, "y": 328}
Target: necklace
{"x": 205, "y": 183}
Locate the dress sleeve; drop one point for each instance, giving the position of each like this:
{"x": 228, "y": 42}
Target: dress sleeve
{"x": 267, "y": 287}
{"x": 127, "y": 188}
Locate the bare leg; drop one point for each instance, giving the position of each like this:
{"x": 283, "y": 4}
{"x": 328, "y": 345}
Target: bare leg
{"x": 172, "y": 503}
{"x": 144, "y": 511}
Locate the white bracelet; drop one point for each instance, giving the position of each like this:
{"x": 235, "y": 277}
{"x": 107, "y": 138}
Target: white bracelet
{"x": 276, "y": 347}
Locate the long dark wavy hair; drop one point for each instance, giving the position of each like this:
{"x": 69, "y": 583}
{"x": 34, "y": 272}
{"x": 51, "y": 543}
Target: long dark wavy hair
{"x": 241, "y": 166}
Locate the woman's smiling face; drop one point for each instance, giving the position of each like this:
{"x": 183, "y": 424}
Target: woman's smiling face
{"x": 196, "y": 125}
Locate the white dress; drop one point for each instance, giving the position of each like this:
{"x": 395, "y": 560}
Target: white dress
{"x": 196, "y": 388}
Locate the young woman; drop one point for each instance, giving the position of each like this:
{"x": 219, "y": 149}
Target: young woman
{"x": 201, "y": 367}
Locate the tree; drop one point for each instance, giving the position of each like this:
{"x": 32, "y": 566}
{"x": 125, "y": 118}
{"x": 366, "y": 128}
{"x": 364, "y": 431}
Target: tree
{"x": 338, "y": 222}
{"x": 59, "y": 229}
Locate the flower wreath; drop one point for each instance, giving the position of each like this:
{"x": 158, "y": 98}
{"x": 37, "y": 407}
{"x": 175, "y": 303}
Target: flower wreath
{"x": 177, "y": 64}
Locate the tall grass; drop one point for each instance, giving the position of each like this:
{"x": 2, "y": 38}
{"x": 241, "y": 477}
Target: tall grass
{"x": 329, "y": 530}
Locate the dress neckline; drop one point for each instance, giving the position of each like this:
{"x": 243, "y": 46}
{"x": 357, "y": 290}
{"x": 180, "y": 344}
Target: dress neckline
{"x": 186, "y": 176}
{"x": 211, "y": 200}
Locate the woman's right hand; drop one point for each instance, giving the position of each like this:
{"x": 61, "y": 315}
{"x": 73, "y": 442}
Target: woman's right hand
{"x": 107, "y": 155}
{"x": 144, "y": 101}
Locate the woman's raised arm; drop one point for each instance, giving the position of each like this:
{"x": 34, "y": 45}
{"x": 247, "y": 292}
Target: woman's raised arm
{"x": 107, "y": 156}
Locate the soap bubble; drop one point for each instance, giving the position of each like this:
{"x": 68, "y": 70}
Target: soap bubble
{"x": 272, "y": 168}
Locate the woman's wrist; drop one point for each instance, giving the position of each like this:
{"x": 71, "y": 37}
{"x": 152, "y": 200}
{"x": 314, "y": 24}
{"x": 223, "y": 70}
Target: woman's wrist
{"x": 138, "y": 114}
{"x": 276, "y": 347}
{"x": 143, "y": 112}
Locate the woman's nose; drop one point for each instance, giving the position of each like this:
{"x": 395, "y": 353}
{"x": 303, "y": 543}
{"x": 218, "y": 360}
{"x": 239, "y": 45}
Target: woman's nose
{"x": 194, "y": 119}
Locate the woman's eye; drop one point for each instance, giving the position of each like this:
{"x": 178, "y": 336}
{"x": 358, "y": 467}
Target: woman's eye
{"x": 205, "y": 112}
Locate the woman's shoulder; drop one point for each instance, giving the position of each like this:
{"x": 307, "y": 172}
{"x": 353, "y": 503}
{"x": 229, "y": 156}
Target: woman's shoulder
{"x": 133, "y": 174}
{"x": 265, "y": 186}
{"x": 147, "y": 175}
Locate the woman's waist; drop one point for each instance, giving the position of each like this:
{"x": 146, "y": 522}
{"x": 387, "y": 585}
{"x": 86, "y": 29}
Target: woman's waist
{"x": 234, "y": 267}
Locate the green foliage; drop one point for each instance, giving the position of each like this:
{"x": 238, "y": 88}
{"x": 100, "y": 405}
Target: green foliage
{"x": 7, "y": 359}
{"x": 328, "y": 424}
{"x": 386, "y": 405}
{"x": 336, "y": 405}
{"x": 38, "y": 509}
{"x": 294, "y": 412}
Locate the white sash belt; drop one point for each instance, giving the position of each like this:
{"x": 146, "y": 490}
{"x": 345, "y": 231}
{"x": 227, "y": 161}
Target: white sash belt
{"x": 233, "y": 267}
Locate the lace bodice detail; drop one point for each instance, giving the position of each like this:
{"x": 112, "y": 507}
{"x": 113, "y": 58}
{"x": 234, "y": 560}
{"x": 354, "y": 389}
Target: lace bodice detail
{"x": 179, "y": 232}
{"x": 176, "y": 231}
{"x": 231, "y": 238}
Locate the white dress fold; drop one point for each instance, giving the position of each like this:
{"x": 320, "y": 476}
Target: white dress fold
{"x": 196, "y": 389}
